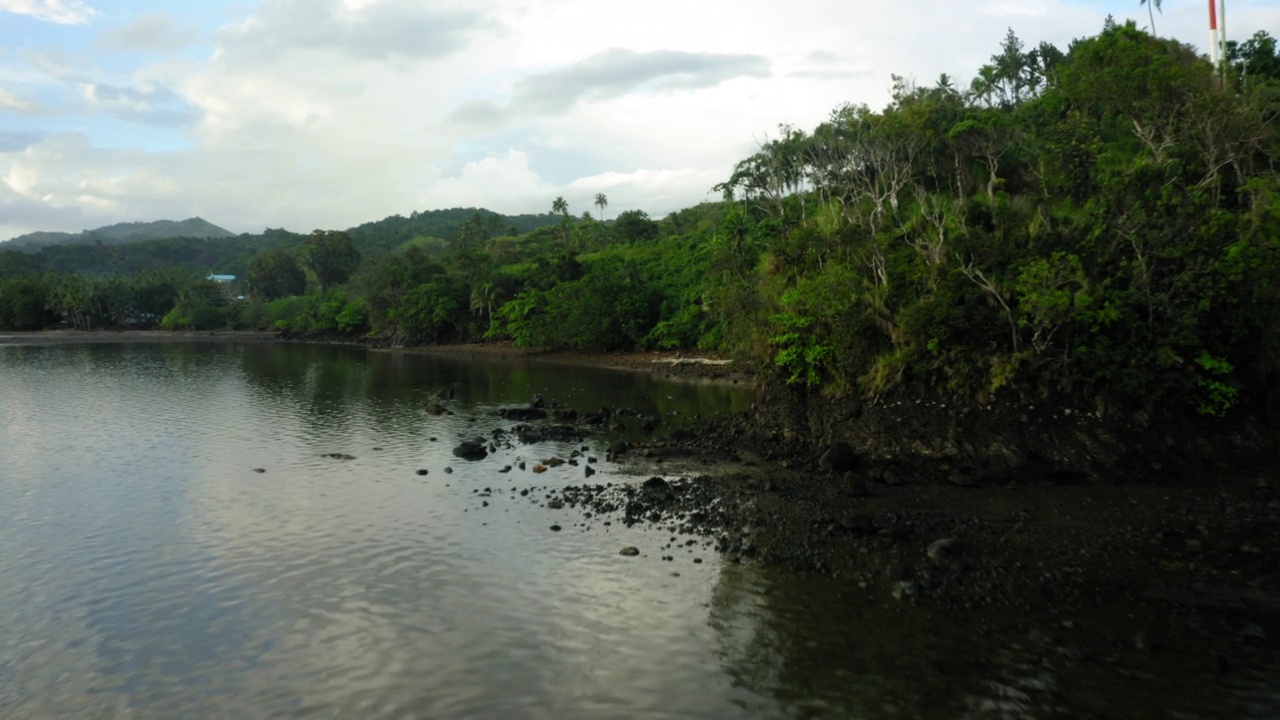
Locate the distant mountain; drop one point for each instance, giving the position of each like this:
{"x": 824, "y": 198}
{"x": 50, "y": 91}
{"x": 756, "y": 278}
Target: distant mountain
{"x": 121, "y": 234}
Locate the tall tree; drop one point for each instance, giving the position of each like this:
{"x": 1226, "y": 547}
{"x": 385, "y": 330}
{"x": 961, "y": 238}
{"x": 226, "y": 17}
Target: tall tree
{"x": 1149, "y": 4}
{"x": 273, "y": 274}
{"x": 560, "y": 206}
{"x": 331, "y": 256}
{"x": 602, "y": 202}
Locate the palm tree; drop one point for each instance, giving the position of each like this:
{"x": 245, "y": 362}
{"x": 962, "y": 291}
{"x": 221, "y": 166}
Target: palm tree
{"x": 484, "y": 297}
{"x": 560, "y": 206}
{"x": 1149, "y": 4}
{"x": 602, "y": 202}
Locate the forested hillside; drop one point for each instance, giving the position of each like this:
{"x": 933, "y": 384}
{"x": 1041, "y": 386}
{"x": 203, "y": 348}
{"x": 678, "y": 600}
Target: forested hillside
{"x": 122, "y": 233}
{"x": 1100, "y": 223}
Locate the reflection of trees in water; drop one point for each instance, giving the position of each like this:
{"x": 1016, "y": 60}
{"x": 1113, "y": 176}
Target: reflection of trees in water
{"x": 322, "y": 387}
{"x": 820, "y": 651}
{"x": 328, "y": 389}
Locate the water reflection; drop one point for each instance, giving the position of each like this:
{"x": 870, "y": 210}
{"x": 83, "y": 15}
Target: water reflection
{"x": 821, "y": 648}
{"x": 148, "y": 571}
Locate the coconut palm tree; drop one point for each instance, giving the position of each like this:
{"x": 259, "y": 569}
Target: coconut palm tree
{"x": 484, "y": 298}
{"x": 560, "y": 206}
{"x": 602, "y": 202}
{"x": 1149, "y": 4}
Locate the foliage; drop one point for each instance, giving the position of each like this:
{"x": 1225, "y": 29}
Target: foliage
{"x": 200, "y": 306}
{"x": 330, "y": 256}
{"x": 273, "y": 274}
{"x": 1100, "y": 225}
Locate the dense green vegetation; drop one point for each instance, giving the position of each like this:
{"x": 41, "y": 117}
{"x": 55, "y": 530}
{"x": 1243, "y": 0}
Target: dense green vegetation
{"x": 1101, "y": 224}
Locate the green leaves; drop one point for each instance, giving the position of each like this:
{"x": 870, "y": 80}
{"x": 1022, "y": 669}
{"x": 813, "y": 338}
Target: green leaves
{"x": 330, "y": 256}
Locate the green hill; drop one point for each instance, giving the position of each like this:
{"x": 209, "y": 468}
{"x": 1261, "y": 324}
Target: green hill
{"x": 121, "y": 234}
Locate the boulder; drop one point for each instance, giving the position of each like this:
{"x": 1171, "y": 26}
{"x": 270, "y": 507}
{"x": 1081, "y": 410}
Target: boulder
{"x": 471, "y": 450}
{"x": 617, "y": 450}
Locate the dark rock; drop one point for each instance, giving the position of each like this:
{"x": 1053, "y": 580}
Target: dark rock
{"x": 566, "y": 416}
{"x": 537, "y": 403}
{"x": 943, "y": 549}
{"x": 555, "y": 528}
{"x": 588, "y": 471}
{"x": 854, "y": 484}
{"x": 629, "y": 551}
{"x": 259, "y": 470}
{"x": 839, "y": 459}
{"x": 423, "y": 471}
{"x": 556, "y": 505}
{"x": 340, "y": 456}
{"x": 448, "y": 471}
{"x": 471, "y": 450}
{"x": 656, "y": 483}
{"x": 436, "y": 409}
{"x": 529, "y": 434}
{"x": 522, "y": 414}
{"x": 505, "y": 469}
{"x": 617, "y": 450}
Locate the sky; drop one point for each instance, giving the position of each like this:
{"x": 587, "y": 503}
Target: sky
{"x": 308, "y": 114}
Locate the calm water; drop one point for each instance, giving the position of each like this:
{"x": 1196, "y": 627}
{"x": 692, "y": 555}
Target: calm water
{"x": 147, "y": 570}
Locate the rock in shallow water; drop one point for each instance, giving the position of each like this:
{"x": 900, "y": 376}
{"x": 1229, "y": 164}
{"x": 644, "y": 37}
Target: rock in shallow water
{"x": 471, "y": 450}
{"x": 629, "y": 551}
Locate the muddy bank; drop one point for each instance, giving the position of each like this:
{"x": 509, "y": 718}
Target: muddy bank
{"x": 923, "y": 440}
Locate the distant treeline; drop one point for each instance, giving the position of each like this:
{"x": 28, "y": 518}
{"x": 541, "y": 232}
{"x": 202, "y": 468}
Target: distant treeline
{"x": 1100, "y": 224}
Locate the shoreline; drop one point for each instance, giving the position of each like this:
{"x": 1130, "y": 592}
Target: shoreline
{"x": 103, "y": 337}
{"x": 670, "y": 364}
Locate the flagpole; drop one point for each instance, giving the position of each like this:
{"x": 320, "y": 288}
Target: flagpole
{"x": 1215, "y": 46}
{"x": 1222, "y": 30}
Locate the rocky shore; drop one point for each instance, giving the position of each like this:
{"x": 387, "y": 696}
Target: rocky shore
{"x": 1182, "y": 559}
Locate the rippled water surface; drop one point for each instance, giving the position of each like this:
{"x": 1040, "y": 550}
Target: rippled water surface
{"x": 147, "y": 570}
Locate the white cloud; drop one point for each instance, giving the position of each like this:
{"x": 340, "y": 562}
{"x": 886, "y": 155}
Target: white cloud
{"x": 329, "y": 113}
{"x": 151, "y": 31}
{"x": 497, "y": 181}
{"x": 9, "y": 101}
{"x": 63, "y": 12}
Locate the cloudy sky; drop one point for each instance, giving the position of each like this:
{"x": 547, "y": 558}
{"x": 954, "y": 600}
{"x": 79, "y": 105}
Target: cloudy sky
{"x": 312, "y": 114}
